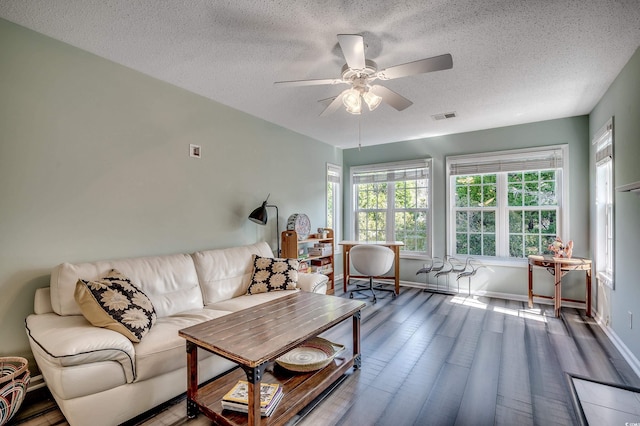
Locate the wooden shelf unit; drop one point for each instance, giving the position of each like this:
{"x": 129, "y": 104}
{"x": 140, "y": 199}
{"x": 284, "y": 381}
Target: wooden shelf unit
{"x": 291, "y": 248}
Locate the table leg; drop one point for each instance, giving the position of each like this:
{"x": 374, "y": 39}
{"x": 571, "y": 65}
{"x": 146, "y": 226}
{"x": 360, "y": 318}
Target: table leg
{"x": 530, "y": 286}
{"x": 557, "y": 303}
{"x": 357, "y": 357}
{"x": 396, "y": 262}
{"x": 192, "y": 379}
{"x": 588, "y": 292}
{"x": 254, "y": 379}
{"x": 345, "y": 267}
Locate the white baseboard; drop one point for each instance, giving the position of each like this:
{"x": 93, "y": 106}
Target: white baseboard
{"x": 619, "y": 344}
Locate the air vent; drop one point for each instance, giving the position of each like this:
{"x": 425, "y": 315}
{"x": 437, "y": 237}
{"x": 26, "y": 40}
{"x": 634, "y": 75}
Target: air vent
{"x": 444, "y": 115}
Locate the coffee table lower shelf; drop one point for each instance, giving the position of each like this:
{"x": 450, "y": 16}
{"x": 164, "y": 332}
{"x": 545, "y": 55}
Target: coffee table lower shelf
{"x": 299, "y": 390}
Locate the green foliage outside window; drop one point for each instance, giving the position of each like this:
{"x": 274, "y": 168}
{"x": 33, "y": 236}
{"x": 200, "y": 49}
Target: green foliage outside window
{"x": 533, "y": 212}
{"x": 531, "y": 204}
{"x": 404, "y": 202}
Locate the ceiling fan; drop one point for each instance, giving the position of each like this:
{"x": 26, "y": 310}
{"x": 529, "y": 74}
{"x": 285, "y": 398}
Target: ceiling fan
{"x": 360, "y": 72}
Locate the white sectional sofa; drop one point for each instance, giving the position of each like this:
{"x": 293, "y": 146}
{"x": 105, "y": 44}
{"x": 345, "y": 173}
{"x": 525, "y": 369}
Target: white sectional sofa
{"x": 100, "y": 377}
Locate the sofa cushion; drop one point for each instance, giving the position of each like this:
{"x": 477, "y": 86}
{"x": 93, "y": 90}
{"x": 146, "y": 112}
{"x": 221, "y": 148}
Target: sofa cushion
{"x": 163, "y": 350}
{"x": 273, "y": 274}
{"x": 114, "y": 302}
{"x": 225, "y": 273}
{"x": 170, "y": 282}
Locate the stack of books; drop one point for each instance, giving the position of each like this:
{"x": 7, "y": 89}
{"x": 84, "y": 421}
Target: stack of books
{"x": 321, "y": 265}
{"x": 237, "y": 399}
{"x": 320, "y": 249}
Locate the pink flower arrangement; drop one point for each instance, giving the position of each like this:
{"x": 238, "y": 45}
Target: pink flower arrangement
{"x": 560, "y": 249}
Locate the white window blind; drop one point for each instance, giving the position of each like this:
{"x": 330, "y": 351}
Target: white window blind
{"x": 507, "y": 162}
{"x": 603, "y": 142}
{"x": 373, "y": 175}
{"x": 333, "y": 173}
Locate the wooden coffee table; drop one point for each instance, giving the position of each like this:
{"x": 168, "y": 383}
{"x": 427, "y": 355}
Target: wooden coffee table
{"x": 253, "y": 338}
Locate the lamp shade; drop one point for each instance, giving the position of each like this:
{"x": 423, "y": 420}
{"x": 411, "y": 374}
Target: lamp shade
{"x": 372, "y": 100}
{"x": 259, "y": 215}
{"x": 351, "y": 100}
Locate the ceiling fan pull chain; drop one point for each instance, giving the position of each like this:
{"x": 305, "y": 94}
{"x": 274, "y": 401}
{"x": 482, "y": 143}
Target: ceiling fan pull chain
{"x": 359, "y": 141}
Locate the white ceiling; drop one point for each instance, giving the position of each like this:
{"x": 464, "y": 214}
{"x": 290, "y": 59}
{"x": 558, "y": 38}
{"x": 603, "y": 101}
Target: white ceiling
{"x": 514, "y": 61}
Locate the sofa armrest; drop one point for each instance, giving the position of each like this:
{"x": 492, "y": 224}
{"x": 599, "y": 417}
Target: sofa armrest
{"x": 42, "y": 301}
{"x": 312, "y": 283}
{"x": 71, "y": 340}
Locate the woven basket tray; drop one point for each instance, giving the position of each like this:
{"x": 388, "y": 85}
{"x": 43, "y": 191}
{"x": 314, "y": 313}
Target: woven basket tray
{"x": 314, "y": 354}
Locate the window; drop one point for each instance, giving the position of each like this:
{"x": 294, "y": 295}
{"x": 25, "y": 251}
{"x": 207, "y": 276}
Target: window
{"x": 505, "y": 204}
{"x": 392, "y": 202}
{"x": 334, "y": 205}
{"x": 603, "y": 143}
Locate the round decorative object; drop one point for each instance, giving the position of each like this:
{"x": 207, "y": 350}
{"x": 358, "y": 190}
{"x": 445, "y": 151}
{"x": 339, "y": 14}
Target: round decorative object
{"x": 14, "y": 379}
{"x": 314, "y": 354}
{"x": 300, "y": 223}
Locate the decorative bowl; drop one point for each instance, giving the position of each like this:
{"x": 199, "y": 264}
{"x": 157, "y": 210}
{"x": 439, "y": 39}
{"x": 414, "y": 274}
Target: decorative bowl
{"x": 312, "y": 355}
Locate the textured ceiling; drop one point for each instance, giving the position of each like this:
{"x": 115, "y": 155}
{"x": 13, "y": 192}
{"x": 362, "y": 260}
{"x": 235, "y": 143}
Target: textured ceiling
{"x": 514, "y": 61}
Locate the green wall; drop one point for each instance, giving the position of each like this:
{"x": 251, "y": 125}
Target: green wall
{"x": 94, "y": 165}
{"x": 497, "y": 279}
{"x": 622, "y": 102}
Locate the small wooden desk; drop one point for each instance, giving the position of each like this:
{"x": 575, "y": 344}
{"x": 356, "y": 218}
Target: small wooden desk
{"x": 393, "y": 245}
{"x": 559, "y": 266}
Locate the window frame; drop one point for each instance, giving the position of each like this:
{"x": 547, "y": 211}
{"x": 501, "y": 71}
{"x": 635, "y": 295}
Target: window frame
{"x": 425, "y": 163}
{"x": 336, "y": 202}
{"x": 502, "y": 163}
{"x": 603, "y": 156}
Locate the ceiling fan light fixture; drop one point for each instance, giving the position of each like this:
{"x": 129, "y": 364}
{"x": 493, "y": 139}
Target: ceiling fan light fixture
{"x": 371, "y": 99}
{"x": 351, "y": 100}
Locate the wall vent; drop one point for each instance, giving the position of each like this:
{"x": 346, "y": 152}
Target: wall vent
{"x": 444, "y": 115}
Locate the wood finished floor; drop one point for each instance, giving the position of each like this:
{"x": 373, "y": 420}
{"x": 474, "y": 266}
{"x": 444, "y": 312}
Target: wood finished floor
{"x": 435, "y": 359}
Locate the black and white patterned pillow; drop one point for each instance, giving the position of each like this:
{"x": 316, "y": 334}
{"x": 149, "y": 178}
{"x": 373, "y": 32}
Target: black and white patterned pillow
{"x": 115, "y": 303}
{"x": 272, "y": 274}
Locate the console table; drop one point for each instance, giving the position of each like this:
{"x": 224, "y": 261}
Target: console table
{"x": 558, "y": 267}
{"x": 393, "y": 245}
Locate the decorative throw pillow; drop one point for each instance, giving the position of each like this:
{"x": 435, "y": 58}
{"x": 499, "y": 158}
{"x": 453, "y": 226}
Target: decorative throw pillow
{"x": 272, "y": 274}
{"x": 115, "y": 303}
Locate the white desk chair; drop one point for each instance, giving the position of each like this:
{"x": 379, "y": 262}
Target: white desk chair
{"x": 371, "y": 261}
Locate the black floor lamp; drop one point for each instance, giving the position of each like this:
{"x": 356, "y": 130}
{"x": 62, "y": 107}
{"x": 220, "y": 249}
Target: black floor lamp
{"x": 260, "y": 217}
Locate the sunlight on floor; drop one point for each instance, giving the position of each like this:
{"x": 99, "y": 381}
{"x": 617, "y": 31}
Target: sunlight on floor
{"x": 472, "y": 301}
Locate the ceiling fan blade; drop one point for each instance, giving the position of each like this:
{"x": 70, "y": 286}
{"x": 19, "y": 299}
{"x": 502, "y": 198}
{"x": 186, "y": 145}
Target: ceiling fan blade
{"x": 437, "y": 63}
{"x": 295, "y": 83}
{"x": 392, "y": 98}
{"x": 333, "y": 106}
{"x": 352, "y": 46}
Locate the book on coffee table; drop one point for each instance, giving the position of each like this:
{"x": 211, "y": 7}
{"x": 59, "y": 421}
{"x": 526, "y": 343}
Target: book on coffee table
{"x": 237, "y": 398}
{"x": 265, "y": 411}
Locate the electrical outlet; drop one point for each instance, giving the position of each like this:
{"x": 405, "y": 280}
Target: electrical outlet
{"x": 630, "y": 319}
{"x": 194, "y": 151}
